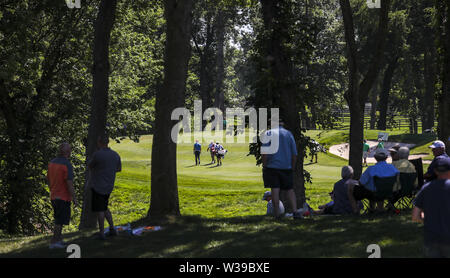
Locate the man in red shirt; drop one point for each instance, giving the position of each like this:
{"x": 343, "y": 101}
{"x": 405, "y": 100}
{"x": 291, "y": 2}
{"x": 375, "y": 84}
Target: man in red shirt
{"x": 62, "y": 193}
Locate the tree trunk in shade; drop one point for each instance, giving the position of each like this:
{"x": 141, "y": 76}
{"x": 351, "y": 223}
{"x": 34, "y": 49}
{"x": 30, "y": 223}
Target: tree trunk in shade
{"x": 99, "y": 109}
{"x": 164, "y": 187}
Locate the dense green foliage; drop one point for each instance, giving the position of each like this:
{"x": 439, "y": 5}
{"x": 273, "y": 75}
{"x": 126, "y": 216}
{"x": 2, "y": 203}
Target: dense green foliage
{"x": 46, "y": 78}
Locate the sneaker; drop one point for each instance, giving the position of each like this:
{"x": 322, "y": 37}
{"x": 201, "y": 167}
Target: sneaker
{"x": 57, "y": 245}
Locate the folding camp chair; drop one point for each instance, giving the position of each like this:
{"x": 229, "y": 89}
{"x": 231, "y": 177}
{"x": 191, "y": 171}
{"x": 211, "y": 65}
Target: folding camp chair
{"x": 384, "y": 190}
{"x": 419, "y": 170}
{"x": 406, "y": 194}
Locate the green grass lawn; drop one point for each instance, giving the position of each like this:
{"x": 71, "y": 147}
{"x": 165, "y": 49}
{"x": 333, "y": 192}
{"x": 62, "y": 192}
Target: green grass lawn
{"x": 223, "y": 214}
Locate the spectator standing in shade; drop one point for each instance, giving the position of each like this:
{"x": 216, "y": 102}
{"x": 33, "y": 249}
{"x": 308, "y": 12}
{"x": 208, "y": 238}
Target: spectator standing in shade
{"x": 60, "y": 181}
{"x": 103, "y": 167}
{"x": 432, "y": 207}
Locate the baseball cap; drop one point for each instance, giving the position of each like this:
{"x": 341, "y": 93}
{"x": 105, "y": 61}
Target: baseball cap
{"x": 267, "y": 194}
{"x": 437, "y": 144}
{"x": 395, "y": 148}
{"x": 443, "y": 164}
{"x": 381, "y": 152}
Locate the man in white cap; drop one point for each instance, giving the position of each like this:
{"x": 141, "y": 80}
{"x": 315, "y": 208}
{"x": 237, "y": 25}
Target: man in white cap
{"x": 438, "y": 148}
{"x": 270, "y": 210}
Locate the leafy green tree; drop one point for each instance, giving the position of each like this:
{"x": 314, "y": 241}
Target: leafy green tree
{"x": 443, "y": 27}
{"x": 360, "y": 84}
{"x": 42, "y": 103}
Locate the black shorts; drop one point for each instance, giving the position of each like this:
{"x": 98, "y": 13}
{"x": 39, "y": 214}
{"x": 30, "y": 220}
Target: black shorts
{"x": 278, "y": 178}
{"x": 61, "y": 210}
{"x": 99, "y": 201}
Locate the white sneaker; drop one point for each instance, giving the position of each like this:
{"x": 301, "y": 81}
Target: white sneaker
{"x": 57, "y": 245}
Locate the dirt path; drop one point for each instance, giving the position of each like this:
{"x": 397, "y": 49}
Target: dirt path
{"x": 342, "y": 150}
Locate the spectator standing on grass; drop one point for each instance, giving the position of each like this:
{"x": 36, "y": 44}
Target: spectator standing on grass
{"x": 438, "y": 149}
{"x": 366, "y": 149}
{"x": 103, "y": 167}
{"x": 342, "y": 195}
{"x": 270, "y": 210}
{"x": 432, "y": 207}
{"x": 197, "y": 152}
{"x": 278, "y": 168}
{"x": 381, "y": 169}
{"x": 60, "y": 181}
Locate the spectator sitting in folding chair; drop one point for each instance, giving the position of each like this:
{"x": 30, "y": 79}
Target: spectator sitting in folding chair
{"x": 403, "y": 165}
{"x": 368, "y": 190}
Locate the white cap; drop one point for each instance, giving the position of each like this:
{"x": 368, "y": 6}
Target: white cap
{"x": 437, "y": 144}
{"x": 267, "y": 194}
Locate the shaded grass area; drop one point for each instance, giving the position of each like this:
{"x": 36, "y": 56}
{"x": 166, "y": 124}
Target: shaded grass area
{"x": 223, "y": 213}
{"x": 250, "y": 236}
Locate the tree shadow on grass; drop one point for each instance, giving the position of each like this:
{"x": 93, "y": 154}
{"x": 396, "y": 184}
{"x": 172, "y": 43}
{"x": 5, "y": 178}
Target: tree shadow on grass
{"x": 249, "y": 237}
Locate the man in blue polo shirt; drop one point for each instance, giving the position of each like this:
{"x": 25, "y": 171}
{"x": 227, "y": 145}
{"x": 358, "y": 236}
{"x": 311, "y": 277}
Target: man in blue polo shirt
{"x": 432, "y": 207}
{"x": 438, "y": 149}
{"x": 382, "y": 170}
{"x": 278, "y": 164}
{"x": 197, "y": 151}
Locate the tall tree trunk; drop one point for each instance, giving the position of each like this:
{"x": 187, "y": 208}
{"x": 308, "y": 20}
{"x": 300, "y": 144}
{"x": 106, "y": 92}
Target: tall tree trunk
{"x": 373, "y": 108}
{"x": 281, "y": 68}
{"x": 428, "y": 102}
{"x": 444, "y": 99}
{"x": 358, "y": 91}
{"x": 164, "y": 187}
{"x": 99, "y": 108}
{"x": 219, "y": 100}
{"x": 384, "y": 96}
{"x": 206, "y": 67}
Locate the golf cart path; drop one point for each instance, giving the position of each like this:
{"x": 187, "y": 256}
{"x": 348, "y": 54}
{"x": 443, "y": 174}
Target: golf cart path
{"x": 342, "y": 150}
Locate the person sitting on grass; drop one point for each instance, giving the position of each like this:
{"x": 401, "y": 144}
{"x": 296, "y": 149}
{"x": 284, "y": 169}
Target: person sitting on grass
{"x": 270, "y": 210}
{"x": 380, "y": 169}
{"x": 344, "y": 203}
{"x": 432, "y": 207}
